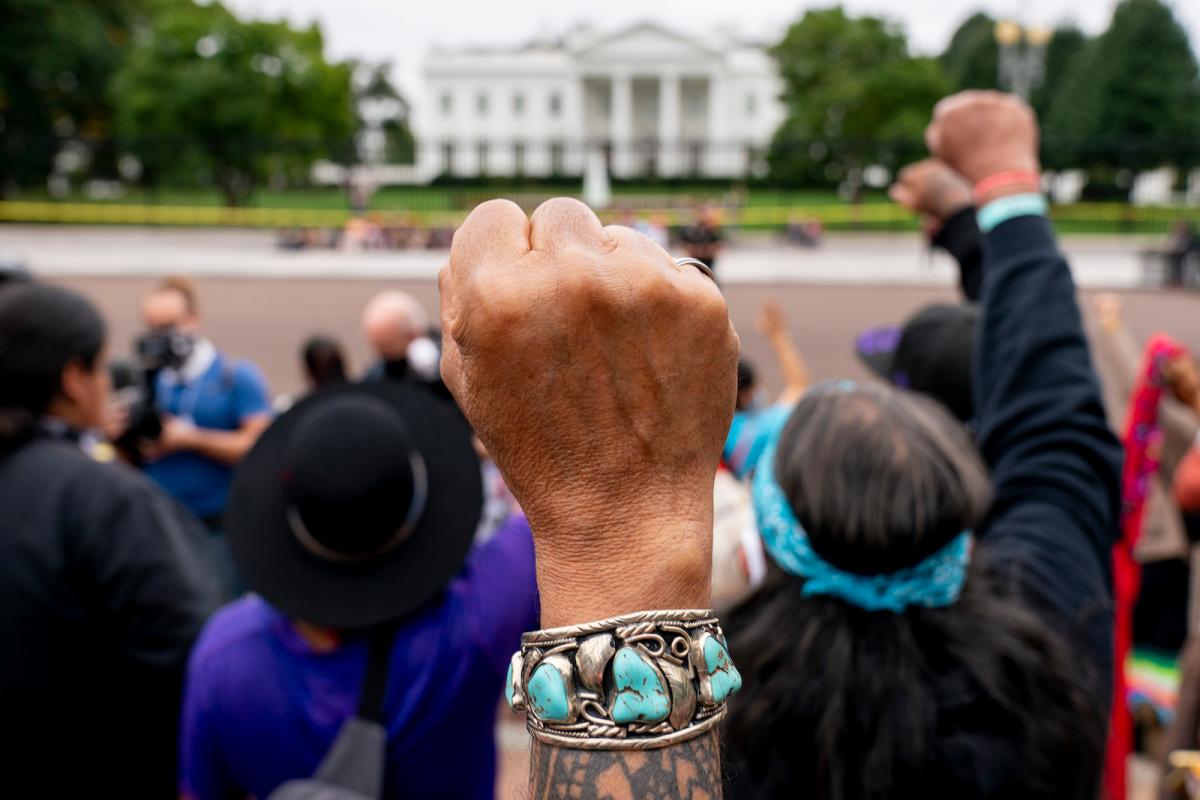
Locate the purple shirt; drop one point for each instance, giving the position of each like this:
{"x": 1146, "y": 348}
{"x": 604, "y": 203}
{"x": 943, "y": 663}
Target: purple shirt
{"x": 261, "y": 707}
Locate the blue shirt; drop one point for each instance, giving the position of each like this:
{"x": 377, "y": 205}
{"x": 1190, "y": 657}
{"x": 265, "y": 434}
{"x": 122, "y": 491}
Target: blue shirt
{"x": 749, "y": 433}
{"x": 261, "y": 707}
{"x": 222, "y": 398}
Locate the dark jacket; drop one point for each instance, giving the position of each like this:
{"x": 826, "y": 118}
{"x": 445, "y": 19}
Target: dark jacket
{"x": 102, "y": 591}
{"x": 1055, "y": 463}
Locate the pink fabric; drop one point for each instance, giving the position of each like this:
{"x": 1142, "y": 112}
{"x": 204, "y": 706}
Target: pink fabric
{"x": 1142, "y": 438}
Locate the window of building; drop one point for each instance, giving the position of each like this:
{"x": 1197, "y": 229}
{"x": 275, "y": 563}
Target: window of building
{"x": 556, "y": 158}
{"x": 518, "y": 104}
{"x": 447, "y": 157}
{"x": 519, "y": 158}
{"x": 555, "y": 104}
{"x": 751, "y": 104}
{"x": 481, "y": 103}
{"x": 447, "y": 103}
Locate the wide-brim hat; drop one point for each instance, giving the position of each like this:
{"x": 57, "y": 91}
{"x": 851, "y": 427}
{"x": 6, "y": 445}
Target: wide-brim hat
{"x": 339, "y": 466}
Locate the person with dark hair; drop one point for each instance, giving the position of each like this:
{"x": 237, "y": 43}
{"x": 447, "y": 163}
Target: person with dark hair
{"x": 324, "y": 364}
{"x": 101, "y": 585}
{"x": 946, "y": 641}
{"x": 703, "y": 239}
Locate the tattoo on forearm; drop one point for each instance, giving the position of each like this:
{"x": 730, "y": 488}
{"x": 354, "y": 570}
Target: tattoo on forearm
{"x": 688, "y": 771}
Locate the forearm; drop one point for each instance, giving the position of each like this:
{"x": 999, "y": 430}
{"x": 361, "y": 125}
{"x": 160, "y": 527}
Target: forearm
{"x": 1042, "y": 427}
{"x": 227, "y": 447}
{"x": 961, "y": 238}
{"x": 690, "y": 770}
{"x": 796, "y": 377}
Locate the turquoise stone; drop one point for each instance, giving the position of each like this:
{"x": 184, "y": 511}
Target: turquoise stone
{"x": 508, "y": 686}
{"x": 547, "y": 694}
{"x": 722, "y": 674}
{"x": 641, "y": 695}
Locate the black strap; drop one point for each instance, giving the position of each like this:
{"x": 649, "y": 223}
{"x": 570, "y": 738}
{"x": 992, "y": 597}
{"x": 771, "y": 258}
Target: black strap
{"x": 379, "y": 655}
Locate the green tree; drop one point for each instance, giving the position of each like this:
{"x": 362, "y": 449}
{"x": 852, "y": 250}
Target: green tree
{"x": 1131, "y": 98}
{"x": 972, "y": 59}
{"x": 854, "y": 96}
{"x": 1065, "y": 46}
{"x": 203, "y": 92}
{"x": 56, "y": 60}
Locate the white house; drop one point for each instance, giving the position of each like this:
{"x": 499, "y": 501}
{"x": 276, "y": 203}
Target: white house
{"x": 653, "y": 101}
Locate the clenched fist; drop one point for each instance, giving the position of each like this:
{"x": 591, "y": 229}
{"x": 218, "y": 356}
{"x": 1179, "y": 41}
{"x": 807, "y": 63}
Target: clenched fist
{"x": 931, "y": 190}
{"x": 601, "y": 378}
{"x": 981, "y": 134}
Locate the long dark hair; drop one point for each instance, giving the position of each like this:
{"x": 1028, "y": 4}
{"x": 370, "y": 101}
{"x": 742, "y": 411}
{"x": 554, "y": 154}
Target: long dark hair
{"x": 42, "y": 330}
{"x": 977, "y": 699}
{"x": 323, "y": 361}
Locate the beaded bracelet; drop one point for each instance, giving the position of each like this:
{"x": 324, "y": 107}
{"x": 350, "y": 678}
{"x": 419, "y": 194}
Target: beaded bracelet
{"x": 634, "y": 682}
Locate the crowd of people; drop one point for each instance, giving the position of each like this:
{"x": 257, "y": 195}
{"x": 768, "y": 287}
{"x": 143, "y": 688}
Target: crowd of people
{"x": 930, "y": 584}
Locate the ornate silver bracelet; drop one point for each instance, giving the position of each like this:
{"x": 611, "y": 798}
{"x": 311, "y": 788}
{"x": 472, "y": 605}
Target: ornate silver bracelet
{"x": 635, "y": 682}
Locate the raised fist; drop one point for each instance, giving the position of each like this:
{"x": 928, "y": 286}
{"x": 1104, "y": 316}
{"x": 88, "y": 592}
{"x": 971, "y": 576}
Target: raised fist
{"x": 980, "y": 134}
{"x": 931, "y": 190}
{"x": 601, "y": 378}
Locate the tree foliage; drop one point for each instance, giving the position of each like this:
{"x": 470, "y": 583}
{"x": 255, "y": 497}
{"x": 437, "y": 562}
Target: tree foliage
{"x": 854, "y": 96}
{"x": 972, "y": 59}
{"x": 1131, "y": 98}
{"x": 204, "y": 92}
{"x": 56, "y": 60}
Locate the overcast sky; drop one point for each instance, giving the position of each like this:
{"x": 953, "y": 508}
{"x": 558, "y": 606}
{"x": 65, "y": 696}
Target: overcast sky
{"x": 401, "y": 31}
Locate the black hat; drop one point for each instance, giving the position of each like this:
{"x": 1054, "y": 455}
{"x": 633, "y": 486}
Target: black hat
{"x": 931, "y": 354}
{"x": 356, "y": 506}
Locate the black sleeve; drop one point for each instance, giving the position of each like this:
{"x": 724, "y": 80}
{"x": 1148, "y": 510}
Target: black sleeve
{"x": 1055, "y": 463}
{"x": 151, "y": 579}
{"x": 149, "y": 589}
{"x": 961, "y": 238}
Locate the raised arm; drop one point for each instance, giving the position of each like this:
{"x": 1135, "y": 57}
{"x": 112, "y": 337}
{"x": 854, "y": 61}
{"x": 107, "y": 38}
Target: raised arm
{"x": 942, "y": 200}
{"x": 773, "y": 326}
{"x": 1041, "y": 425}
{"x": 601, "y": 377}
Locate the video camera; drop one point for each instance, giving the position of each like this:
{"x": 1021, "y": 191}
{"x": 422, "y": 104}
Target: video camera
{"x": 136, "y": 385}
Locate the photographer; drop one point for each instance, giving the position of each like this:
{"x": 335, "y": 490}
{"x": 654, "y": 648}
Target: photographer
{"x": 212, "y": 410}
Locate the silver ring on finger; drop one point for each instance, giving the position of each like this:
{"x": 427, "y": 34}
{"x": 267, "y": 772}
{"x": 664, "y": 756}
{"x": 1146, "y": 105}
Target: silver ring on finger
{"x": 688, "y": 261}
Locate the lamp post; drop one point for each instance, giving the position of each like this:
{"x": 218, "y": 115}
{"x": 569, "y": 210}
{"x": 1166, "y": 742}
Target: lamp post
{"x": 1022, "y": 60}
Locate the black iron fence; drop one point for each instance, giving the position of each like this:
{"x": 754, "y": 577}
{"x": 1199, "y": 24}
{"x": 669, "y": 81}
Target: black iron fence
{"x": 1099, "y": 185}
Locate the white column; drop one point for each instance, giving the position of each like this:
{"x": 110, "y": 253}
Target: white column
{"x": 718, "y": 133}
{"x": 669, "y": 125}
{"x": 620, "y": 121}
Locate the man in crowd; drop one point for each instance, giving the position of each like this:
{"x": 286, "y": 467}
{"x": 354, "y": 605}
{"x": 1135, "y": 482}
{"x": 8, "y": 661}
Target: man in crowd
{"x": 397, "y": 328}
{"x": 213, "y": 409}
{"x": 703, "y": 239}
{"x": 359, "y": 561}
{"x": 102, "y": 589}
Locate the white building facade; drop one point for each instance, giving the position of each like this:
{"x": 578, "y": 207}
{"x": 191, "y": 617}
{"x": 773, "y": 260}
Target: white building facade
{"x": 652, "y": 102}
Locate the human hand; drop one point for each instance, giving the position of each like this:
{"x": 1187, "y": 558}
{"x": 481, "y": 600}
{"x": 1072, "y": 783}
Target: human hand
{"x": 176, "y": 435}
{"x": 601, "y": 377}
{"x": 1181, "y": 372}
{"x": 981, "y": 134}
{"x": 1108, "y": 310}
{"x": 771, "y": 322}
{"x": 931, "y": 190}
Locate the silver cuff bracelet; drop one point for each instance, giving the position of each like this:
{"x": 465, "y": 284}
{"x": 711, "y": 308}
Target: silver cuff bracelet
{"x": 634, "y": 682}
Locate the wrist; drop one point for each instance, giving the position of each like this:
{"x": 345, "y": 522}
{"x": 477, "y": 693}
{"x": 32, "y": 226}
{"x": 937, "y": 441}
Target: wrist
{"x": 596, "y": 568}
{"x": 1004, "y": 183}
